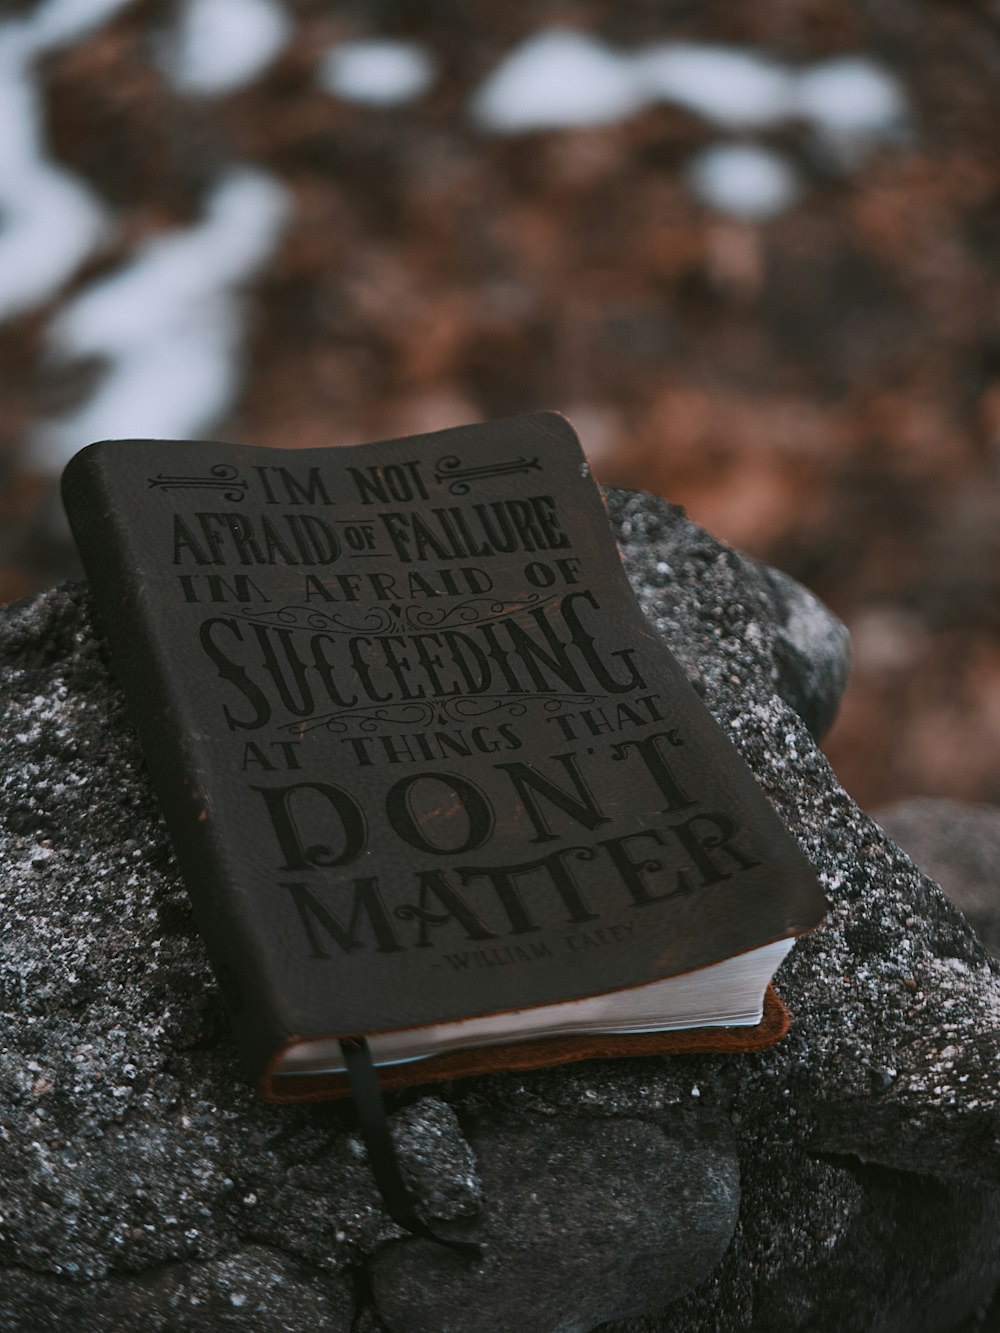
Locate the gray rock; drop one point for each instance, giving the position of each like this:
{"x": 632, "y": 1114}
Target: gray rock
{"x": 959, "y": 846}
{"x": 811, "y": 649}
{"x": 255, "y": 1287}
{"x": 135, "y": 1157}
{"x": 588, "y": 1220}
{"x": 869, "y": 1250}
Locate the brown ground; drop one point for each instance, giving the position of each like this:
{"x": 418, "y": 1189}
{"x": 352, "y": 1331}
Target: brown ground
{"x": 822, "y": 390}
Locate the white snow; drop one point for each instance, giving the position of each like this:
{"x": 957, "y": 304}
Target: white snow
{"x": 558, "y": 80}
{"x": 744, "y": 180}
{"x": 220, "y": 45}
{"x": 50, "y": 222}
{"x": 725, "y": 85}
{"x": 851, "y": 96}
{"x": 57, "y": 23}
{"x": 169, "y": 323}
{"x": 377, "y": 72}
{"x": 561, "y": 78}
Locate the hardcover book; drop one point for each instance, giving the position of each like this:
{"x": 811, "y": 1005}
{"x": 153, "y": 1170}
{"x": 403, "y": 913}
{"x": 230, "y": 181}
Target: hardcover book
{"x": 432, "y": 778}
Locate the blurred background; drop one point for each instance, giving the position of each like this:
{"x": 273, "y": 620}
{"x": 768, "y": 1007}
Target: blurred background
{"x": 751, "y": 250}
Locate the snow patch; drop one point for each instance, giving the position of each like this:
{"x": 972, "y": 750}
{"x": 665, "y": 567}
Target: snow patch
{"x": 724, "y": 85}
{"x": 169, "y": 324}
{"x": 50, "y": 222}
{"x": 744, "y": 180}
{"x": 377, "y": 72}
{"x": 220, "y": 45}
{"x": 561, "y": 78}
{"x": 57, "y": 23}
{"x": 851, "y": 96}
{"x": 558, "y": 80}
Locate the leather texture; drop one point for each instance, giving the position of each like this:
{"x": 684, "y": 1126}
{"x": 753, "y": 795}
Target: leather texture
{"x": 420, "y": 754}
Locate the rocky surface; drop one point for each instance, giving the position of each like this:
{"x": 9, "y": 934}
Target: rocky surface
{"x": 589, "y": 1218}
{"x": 847, "y": 1179}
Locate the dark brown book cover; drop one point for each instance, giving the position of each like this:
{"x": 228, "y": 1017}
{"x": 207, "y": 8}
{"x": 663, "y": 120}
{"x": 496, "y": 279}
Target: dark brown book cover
{"x": 420, "y": 753}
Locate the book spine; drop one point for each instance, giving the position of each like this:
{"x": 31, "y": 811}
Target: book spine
{"x": 157, "y": 696}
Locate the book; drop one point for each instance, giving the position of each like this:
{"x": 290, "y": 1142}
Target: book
{"x": 432, "y": 778}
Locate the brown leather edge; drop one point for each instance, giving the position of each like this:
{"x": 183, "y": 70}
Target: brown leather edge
{"x": 541, "y": 1054}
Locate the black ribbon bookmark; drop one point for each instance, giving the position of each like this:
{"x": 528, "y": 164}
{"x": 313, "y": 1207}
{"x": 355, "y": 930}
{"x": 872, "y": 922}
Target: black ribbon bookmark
{"x": 398, "y": 1200}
